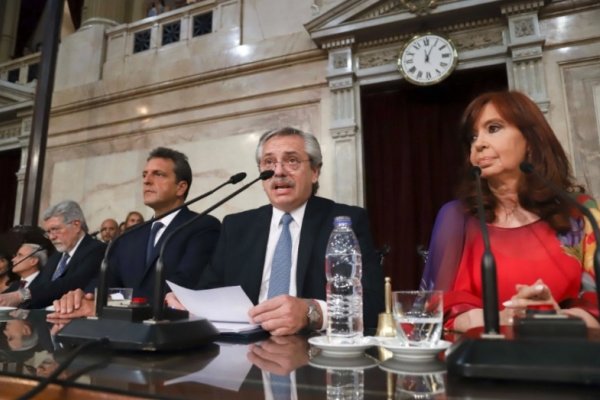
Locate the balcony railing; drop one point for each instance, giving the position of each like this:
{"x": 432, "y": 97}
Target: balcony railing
{"x": 162, "y": 30}
{"x": 21, "y": 70}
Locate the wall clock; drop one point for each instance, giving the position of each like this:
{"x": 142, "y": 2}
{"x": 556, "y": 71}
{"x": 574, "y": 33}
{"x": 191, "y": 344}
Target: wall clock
{"x": 427, "y": 59}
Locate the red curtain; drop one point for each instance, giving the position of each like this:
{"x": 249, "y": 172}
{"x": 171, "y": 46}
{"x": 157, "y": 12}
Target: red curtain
{"x": 412, "y": 158}
{"x": 9, "y": 165}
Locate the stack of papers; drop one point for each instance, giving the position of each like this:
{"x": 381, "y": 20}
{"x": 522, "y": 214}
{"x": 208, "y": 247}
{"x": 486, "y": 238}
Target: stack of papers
{"x": 226, "y": 308}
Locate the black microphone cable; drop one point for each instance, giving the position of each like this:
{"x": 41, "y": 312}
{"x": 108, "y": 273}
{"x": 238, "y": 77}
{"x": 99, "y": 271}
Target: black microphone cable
{"x": 61, "y": 367}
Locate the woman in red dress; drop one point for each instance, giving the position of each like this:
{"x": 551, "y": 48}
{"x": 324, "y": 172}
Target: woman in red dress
{"x": 543, "y": 246}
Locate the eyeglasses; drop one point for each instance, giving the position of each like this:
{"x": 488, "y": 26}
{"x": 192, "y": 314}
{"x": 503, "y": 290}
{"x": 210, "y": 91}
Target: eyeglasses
{"x": 57, "y": 229}
{"x": 289, "y": 163}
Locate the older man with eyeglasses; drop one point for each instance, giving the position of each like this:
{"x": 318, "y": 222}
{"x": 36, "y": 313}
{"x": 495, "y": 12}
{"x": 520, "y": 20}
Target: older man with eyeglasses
{"x": 76, "y": 262}
{"x": 246, "y": 249}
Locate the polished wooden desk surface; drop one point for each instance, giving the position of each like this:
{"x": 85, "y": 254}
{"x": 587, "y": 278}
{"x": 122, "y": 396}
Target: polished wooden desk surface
{"x": 226, "y": 370}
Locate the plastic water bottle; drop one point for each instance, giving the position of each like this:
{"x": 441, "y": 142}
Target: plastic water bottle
{"x": 343, "y": 269}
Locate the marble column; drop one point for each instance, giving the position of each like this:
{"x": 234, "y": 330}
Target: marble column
{"x": 24, "y": 144}
{"x": 344, "y": 127}
{"x": 104, "y": 12}
{"x": 9, "y": 14}
{"x": 526, "y": 69}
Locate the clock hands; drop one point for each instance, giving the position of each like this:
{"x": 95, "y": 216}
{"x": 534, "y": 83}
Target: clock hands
{"x": 428, "y": 52}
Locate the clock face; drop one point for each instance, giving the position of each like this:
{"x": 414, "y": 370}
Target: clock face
{"x": 427, "y": 59}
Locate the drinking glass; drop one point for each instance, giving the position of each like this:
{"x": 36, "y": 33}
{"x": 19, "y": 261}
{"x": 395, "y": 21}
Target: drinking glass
{"x": 418, "y": 317}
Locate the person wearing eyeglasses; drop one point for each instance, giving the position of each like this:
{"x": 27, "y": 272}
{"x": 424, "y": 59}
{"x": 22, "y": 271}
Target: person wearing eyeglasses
{"x": 76, "y": 261}
{"x": 28, "y": 262}
{"x": 246, "y": 247}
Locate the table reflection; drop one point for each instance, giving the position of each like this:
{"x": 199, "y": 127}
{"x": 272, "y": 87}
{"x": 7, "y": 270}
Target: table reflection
{"x": 273, "y": 368}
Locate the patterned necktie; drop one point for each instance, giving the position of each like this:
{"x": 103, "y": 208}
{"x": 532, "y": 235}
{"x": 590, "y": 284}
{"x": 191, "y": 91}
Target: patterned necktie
{"x": 62, "y": 267}
{"x": 279, "y": 282}
{"x": 157, "y": 226}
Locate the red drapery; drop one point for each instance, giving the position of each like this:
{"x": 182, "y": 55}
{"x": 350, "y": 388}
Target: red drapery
{"x": 412, "y": 158}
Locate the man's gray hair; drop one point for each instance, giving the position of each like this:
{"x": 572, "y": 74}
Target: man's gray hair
{"x": 311, "y": 146}
{"x": 41, "y": 255}
{"x": 69, "y": 210}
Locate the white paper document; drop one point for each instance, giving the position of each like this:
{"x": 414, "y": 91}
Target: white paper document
{"x": 227, "y": 307}
{"x": 228, "y": 370}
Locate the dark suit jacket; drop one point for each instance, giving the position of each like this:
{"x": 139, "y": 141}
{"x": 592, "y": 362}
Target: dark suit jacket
{"x": 240, "y": 255}
{"x": 186, "y": 254}
{"x": 82, "y": 268}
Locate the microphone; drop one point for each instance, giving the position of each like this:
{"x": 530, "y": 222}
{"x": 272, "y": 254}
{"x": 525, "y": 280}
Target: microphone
{"x": 94, "y": 234}
{"x": 491, "y": 317}
{"x": 564, "y": 195}
{"x": 103, "y": 281}
{"x": 139, "y": 327}
{"x": 159, "y": 280}
{"x": 534, "y": 349}
{"x": 28, "y": 256}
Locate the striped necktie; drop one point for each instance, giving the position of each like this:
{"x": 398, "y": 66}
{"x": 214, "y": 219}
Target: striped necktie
{"x": 62, "y": 267}
{"x": 279, "y": 282}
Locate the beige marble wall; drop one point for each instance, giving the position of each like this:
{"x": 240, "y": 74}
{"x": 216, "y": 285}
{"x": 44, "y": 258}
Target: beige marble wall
{"x": 210, "y": 97}
{"x": 572, "y": 65}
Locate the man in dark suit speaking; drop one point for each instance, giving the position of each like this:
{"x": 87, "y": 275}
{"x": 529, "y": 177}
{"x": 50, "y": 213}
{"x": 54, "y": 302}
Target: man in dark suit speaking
{"x": 248, "y": 241}
{"x": 166, "y": 178}
{"x": 75, "y": 263}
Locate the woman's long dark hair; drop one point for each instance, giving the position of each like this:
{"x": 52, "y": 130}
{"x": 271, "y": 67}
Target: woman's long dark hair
{"x": 11, "y": 275}
{"x": 545, "y": 153}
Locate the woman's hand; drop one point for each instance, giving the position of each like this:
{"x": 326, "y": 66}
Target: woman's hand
{"x": 526, "y": 296}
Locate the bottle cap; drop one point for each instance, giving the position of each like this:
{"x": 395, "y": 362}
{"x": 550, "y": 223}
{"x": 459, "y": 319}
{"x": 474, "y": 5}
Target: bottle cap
{"x": 342, "y": 220}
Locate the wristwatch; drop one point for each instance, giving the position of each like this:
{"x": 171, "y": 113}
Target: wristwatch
{"x": 314, "y": 315}
{"x": 25, "y": 294}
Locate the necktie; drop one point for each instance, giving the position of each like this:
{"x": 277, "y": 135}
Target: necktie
{"x": 62, "y": 267}
{"x": 280, "y": 387}
{"x": 150, "y": 247}
{"x": 22, "y": 283}
{"x": 279, "y": 282}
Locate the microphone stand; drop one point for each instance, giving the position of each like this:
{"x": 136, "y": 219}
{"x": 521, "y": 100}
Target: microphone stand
{"x": 491, "y": 318}
{"x": 528, "y": 169}
{"x": 159, "y": 283}
{"x": 560, "y": 352}
{"x": 101, "y": 295}
{"x": 121, "y": 326}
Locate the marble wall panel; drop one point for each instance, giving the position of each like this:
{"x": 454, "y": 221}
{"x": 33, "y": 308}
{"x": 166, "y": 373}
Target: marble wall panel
{"x": 571, "y": 27}
{"x": 263, "y": 19}
{"x": 268, "y": 89}
{"x": 582, "y": 83}
{"x": 105, "y": 176}
{"x": 80, "y": 58}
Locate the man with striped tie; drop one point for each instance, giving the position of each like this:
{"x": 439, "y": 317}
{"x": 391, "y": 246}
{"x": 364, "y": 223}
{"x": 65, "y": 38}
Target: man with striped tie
{"x": 276, "y": 253}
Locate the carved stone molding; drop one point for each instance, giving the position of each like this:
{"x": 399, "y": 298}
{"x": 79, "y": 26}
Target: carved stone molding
{"x": 376, "y": 59}
{"x": 478, "y": 40}
{"x": 521, "y": 7}
{"x": 420, "y": 7}
{"x": 341, "y": 83}
{"x": 348, "y": 131}
{"x": 338, "y": 42}
{"x": 494, "y": 35}
{"x": 10, "y": 132}
{"x": 382, "y": 9}
{"x": 527, "y": 53}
